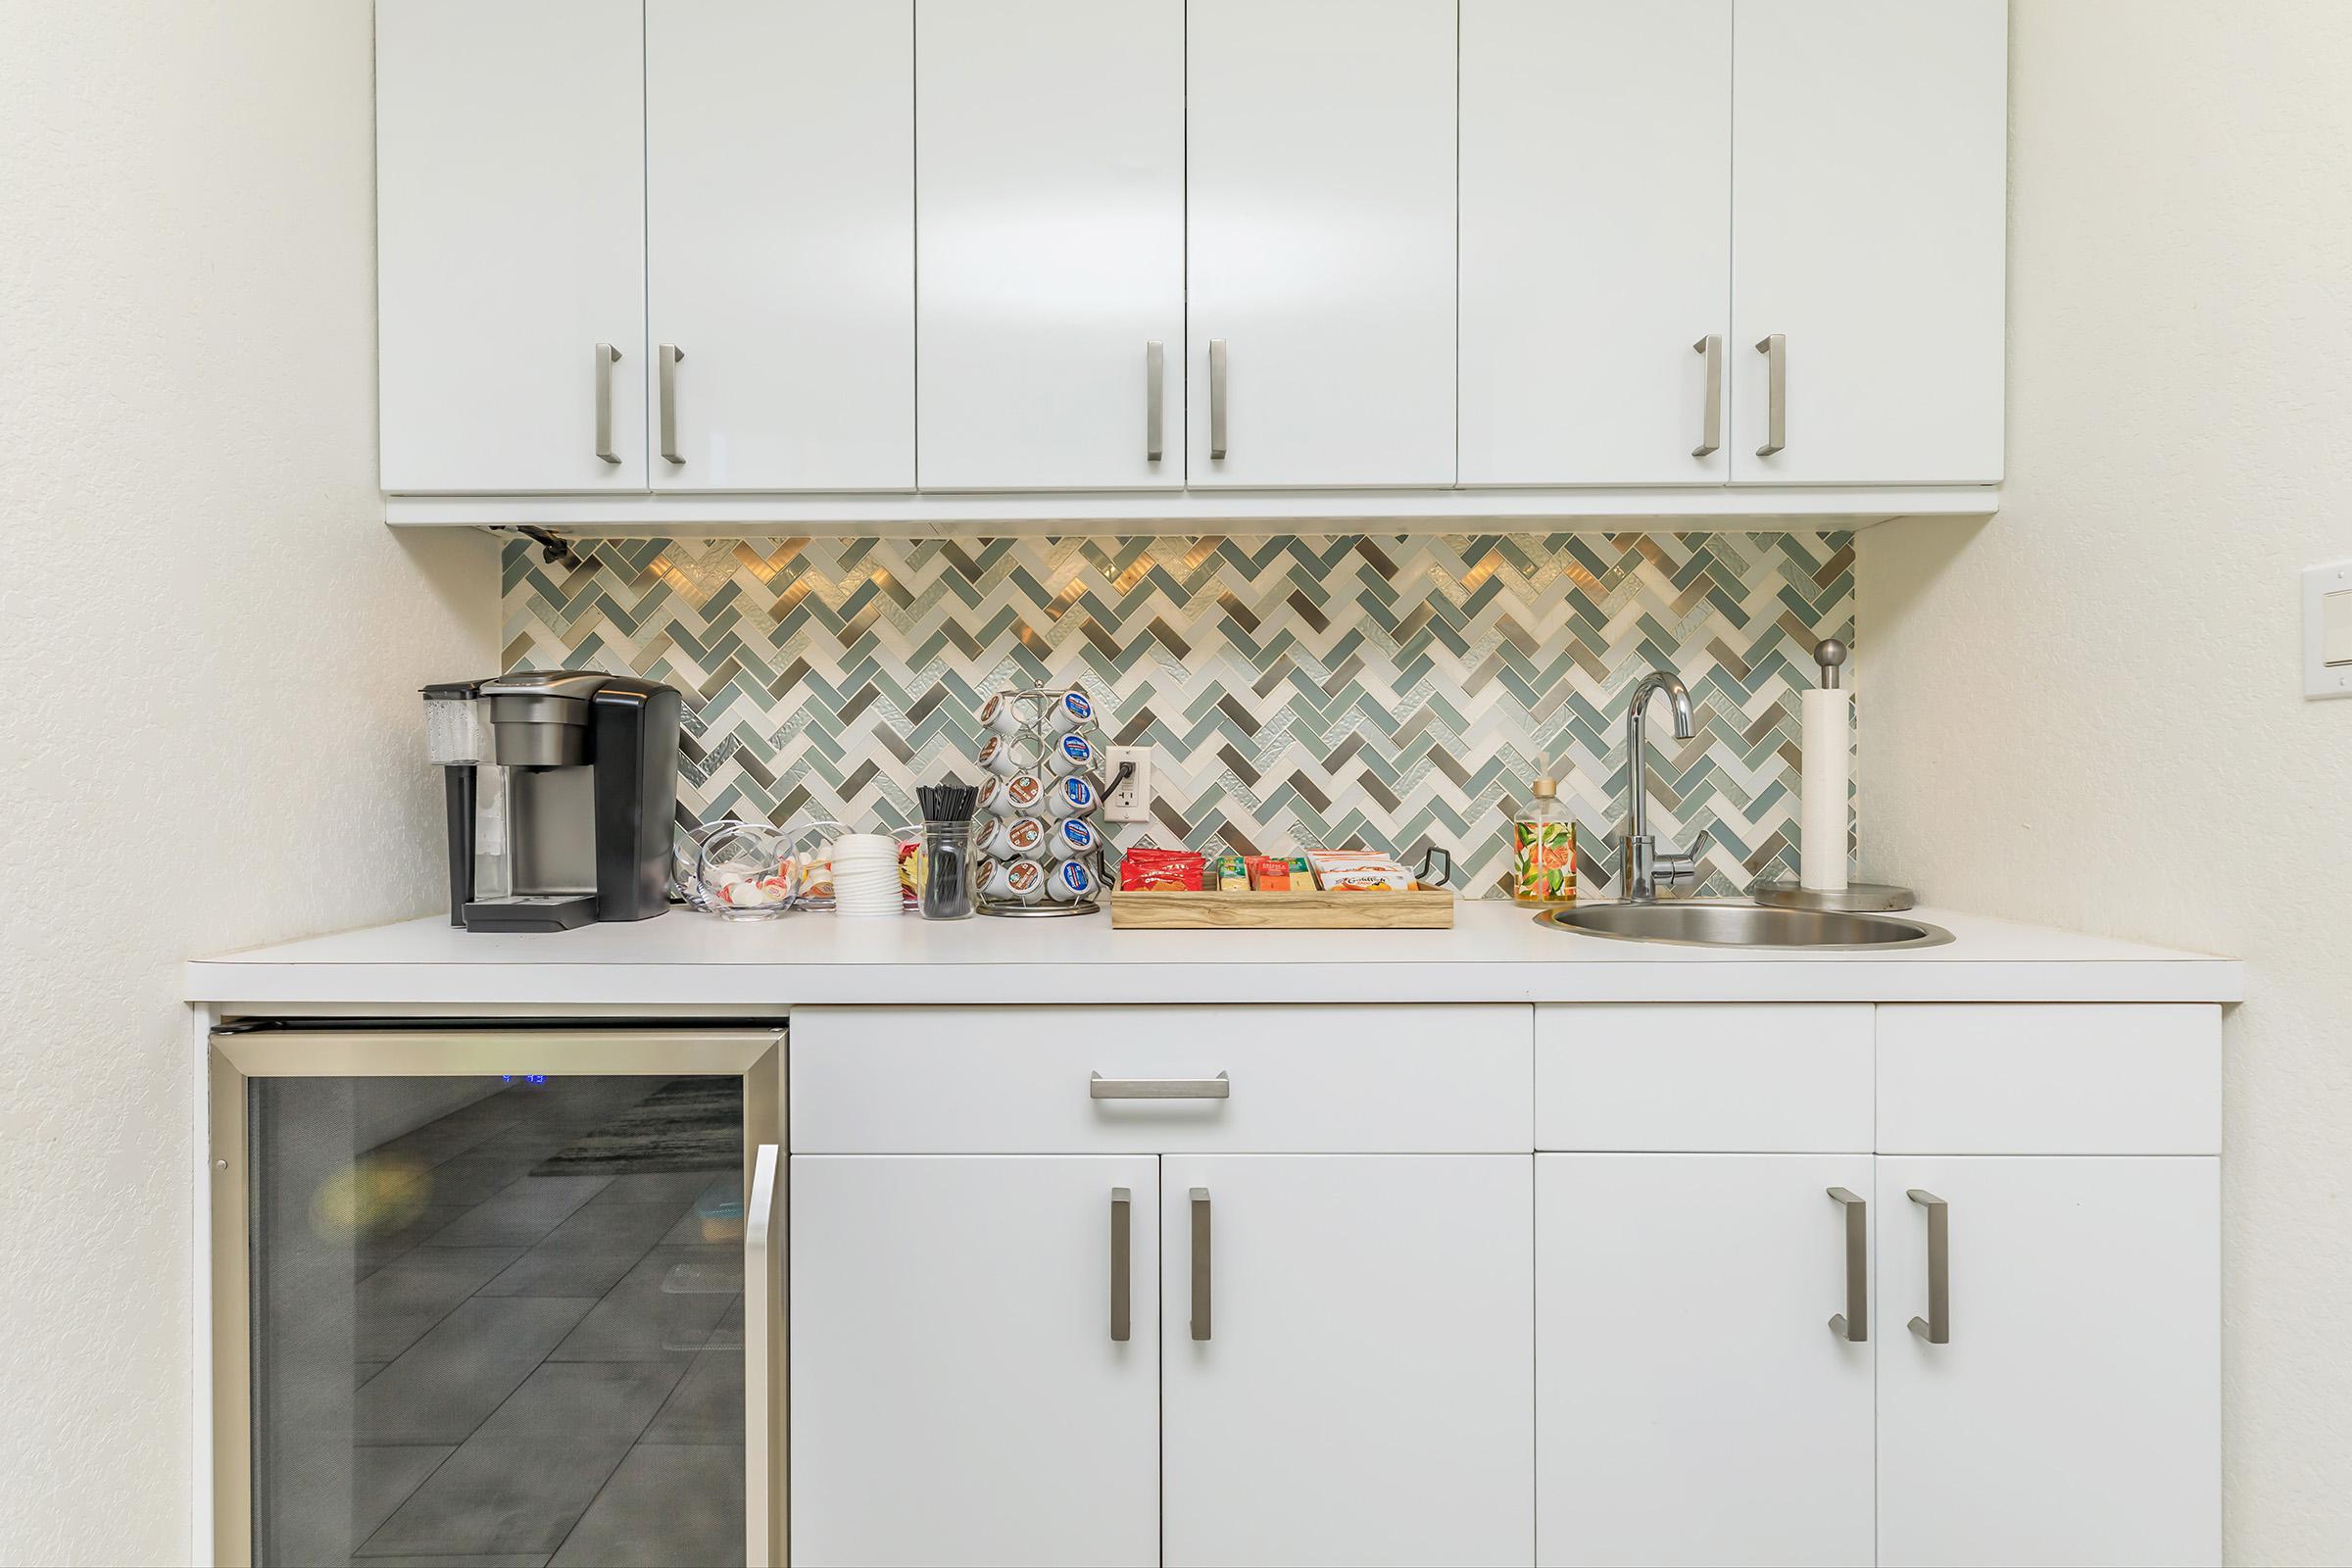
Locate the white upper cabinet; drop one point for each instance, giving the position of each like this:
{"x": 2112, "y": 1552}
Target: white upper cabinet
{"x": 779, "y": 140}
{"x": 1595, "y": 241}
{"x": 1051, "y": 189}
{"x": 1321, "y": 244}
{"x": 1869, "y": 179}
{"x": 511, "y": 244}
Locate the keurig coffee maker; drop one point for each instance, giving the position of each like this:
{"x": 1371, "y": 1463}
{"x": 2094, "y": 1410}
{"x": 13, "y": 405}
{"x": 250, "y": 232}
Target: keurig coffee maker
{"x": 562, "y": 787}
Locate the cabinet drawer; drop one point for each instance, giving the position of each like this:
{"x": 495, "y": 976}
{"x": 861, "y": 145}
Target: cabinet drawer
{"x": 2054, "y": 1079}
{"x": 1297, "y": 1080}
{"x": 1654, "y": 1077}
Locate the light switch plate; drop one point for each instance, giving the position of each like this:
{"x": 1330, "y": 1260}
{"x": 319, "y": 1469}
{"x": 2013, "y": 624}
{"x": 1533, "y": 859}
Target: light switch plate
{"x": 2327, "y": 630}
{"x": 1131, "y": 801}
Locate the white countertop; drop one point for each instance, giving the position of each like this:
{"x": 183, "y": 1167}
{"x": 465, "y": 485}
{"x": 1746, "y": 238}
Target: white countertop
{"x": 1496, "y": 952}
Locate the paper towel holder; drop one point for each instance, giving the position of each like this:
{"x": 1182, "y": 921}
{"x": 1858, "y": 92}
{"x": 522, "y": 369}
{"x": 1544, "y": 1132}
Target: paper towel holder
{"x": 1856, "y": 898}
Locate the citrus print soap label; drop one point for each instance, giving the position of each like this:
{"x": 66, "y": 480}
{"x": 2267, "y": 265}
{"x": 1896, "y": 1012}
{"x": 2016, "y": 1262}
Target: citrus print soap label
{"x": 1543, "y": 861}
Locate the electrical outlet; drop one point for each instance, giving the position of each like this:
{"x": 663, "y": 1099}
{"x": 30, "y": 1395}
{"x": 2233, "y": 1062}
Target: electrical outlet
{"x": 1130, "y": 801}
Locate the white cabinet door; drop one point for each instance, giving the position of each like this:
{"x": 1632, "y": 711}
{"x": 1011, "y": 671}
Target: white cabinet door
{"x": 779, "y": 155}
{"x": 1595, "y": 241}
{"x": 1693, "y": 1403}
{"x": 2073, "y": 1416}
{"x": 957, "y": 1394}
{"x": 511, "y": 244}
{"x": 1358, "y": 1392}
{"x": 1321, "y": 139}
{"x": 1052, "y": 194}
{"x": 1870, "y": 157}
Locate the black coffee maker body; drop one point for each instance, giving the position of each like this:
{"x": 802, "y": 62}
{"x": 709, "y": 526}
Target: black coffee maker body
{"x": 562, "y": 788}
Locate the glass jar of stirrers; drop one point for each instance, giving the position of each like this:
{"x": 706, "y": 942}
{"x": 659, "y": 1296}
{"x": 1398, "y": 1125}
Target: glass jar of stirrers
{"x": 1041, "y": 854}
{"x": 946, "y": 862}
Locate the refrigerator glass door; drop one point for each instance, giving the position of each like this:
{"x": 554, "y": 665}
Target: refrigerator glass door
{"x": 497, "y": 1313}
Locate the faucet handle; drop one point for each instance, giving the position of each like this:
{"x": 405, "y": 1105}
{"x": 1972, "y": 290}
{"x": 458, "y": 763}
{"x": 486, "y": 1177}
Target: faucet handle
{"x": 1676, "y": 866}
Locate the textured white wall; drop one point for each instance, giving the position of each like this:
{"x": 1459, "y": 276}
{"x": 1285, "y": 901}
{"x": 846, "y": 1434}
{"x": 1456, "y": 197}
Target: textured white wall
{"x": 2087, "y": 712}
{"x": 211, "y": 656}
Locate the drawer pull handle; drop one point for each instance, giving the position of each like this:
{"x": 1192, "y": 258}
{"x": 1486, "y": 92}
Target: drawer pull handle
{"x": 1098, "y": 1087}
{"x": 1853, "y": 1324}
{"x": 1936, "y": 1327}
{"x": 1199, "y": 1197}
{"x": 1123, "y": 1211}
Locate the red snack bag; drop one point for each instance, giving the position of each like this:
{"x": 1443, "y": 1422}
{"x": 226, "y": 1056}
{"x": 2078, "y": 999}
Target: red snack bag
{"x": 1150, "y": 871}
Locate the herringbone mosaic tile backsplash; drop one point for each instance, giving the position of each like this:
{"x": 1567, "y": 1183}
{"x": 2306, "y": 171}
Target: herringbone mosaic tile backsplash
{"x": 1378, "y": 690}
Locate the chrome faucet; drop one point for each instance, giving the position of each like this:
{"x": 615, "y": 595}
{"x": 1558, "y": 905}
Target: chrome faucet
{"x": 1639, "y": 860}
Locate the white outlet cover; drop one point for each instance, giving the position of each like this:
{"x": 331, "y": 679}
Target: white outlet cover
{"x": 1131, "y": 801}
{"x": 2327, "y": 630}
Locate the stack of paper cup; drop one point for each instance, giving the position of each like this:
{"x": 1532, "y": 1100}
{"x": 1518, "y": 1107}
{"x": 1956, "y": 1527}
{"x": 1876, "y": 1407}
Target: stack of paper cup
{"x": 865, "y": 876}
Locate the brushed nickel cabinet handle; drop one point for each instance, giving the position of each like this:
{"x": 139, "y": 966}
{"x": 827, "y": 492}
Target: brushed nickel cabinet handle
{"x": 1098, "y": 1087}
{"x": 668, "y": 357}
{"x": 1155, "y": 378}
{"x": 607, "y": 355}
{"x": 762, "y": 1305}
{"x": 1201, "y": 1292}
{"x": 1936, "y": 1327}
{"x": 1216, "y": 397}
{"x": 1853, "y": 1324}
{"x": 1710, "y": 425}
{"x": 1775, "y": 350}
{"x": 1122, "y": 1250}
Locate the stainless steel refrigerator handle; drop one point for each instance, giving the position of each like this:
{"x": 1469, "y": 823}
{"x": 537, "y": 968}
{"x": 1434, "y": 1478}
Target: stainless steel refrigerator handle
{"x": 1155, "y": 377}
{"x": 1200, "y": 1262}
{"x": 667, "y": 358}
{"x": 760, "y": 1305}
{"x": 1710, "y": 426}
{"x": 1216, "y": 397}
{"x": 1098, "y": 1087}
{"x": 1775, "y": 350}
{"x": 1936, "y": 1327}
{"x": 1122, "y": 1250}
{"x": 1853, "y": 1324}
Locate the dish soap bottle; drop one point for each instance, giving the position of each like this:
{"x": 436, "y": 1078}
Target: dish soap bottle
{"x": 1542, "y": 846}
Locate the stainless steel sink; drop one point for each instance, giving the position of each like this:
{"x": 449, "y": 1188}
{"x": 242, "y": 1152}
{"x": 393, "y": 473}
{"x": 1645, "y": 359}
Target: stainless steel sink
{"x": 1695, "y": 925}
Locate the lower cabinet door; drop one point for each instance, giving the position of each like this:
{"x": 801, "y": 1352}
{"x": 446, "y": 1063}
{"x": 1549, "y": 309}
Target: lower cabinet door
{"x": 2073, "y": 1413}
{"x": 1694, "y": 1403}
{"x": 1348, "y": 1348}
{"x": 960, "y": 1392}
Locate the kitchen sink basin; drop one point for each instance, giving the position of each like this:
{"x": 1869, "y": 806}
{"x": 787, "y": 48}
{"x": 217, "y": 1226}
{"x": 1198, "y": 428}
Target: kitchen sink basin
{"x": 1745, "y": 925}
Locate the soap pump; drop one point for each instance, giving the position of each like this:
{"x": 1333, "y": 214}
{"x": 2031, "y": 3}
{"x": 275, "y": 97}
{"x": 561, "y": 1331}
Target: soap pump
{"x": 1542, "y": 845}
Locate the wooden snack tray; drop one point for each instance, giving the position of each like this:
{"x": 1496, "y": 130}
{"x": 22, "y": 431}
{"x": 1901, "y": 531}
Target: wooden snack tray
{"x": 1424, "y": 909}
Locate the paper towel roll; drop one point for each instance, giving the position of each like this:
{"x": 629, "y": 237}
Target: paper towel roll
{"x": 1821, "y": 790}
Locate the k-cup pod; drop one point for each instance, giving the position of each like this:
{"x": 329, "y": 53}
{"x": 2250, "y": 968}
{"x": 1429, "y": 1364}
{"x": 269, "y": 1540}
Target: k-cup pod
{"x": 1066, "y": 710}
{"x": 1023, "y": 795}
{"x": 1072, "y": 837}
{"x": 1008, "y": 754}
{"x": 1009, "y": 712}
{"x": 1070, "y": 797}
{"x": 1069, "y": 882}
{"x": 1015, "y": 838}
{"x": 1070, "y": 754}
{"x": 1015, "y": 882}
{"x": 990, "y": 802}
